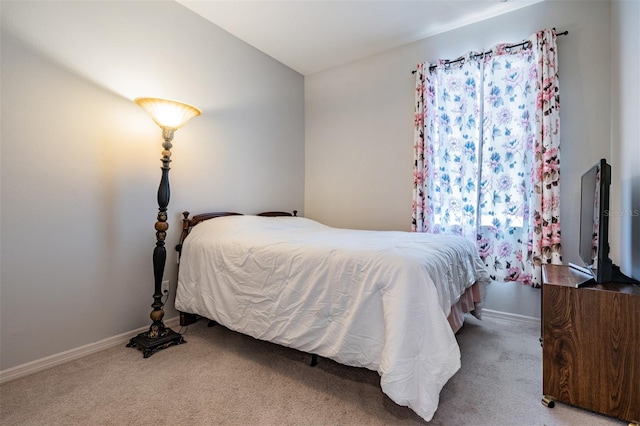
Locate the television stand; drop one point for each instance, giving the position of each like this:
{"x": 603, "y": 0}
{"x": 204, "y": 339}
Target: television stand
{"x": 590, "y": 344}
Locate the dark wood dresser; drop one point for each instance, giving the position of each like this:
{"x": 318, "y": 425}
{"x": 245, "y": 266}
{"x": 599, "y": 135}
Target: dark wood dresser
{"x": 591, "y": 344}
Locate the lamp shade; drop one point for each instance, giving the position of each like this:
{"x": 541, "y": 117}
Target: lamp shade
{"x": 167, "y": 113}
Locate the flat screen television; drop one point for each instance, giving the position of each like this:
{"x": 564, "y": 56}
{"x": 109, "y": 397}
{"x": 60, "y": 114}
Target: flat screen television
{"x": 594, "y": 221}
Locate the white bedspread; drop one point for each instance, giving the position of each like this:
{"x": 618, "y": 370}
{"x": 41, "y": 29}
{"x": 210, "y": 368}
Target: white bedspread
{"x": 373, "y": 299}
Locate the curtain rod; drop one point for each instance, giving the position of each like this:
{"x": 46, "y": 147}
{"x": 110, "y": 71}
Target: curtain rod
{"x": 509, "y": 46}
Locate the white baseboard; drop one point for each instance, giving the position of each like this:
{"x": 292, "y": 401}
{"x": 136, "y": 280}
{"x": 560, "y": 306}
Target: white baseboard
{"x": 73, "y": 354}
{"x": 488, "y": 313}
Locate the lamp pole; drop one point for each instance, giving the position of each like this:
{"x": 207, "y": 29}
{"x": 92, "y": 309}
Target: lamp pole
{"x": 158, "y": 336}
{"x": 160, "y": 252}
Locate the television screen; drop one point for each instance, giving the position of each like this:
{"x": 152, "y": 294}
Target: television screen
{"x": 594, "y": 221}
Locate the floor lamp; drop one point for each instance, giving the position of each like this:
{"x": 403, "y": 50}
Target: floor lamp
{"x": 170, "y": 116}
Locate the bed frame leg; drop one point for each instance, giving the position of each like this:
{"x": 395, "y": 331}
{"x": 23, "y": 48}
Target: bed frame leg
{"x": 314, "y": 360}
{"x": 187, "y": 319}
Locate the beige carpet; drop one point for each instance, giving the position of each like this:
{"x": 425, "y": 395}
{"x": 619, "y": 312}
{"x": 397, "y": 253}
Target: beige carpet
{"x": 223, "y": 378}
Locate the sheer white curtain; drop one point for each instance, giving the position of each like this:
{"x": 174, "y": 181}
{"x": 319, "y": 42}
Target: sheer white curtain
{"x": 487, "y": 155}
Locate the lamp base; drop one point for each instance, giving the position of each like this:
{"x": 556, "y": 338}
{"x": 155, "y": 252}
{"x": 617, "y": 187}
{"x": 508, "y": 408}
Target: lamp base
{"x": 150, "y": 345}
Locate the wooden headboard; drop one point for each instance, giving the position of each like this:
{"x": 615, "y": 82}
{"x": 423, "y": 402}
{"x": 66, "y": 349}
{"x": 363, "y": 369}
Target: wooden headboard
{"x": 277, "y": 213}
{"x": 188, "y": 223}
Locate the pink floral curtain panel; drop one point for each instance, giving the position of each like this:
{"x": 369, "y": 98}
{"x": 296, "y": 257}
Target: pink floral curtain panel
{"x": 487, "y": 155}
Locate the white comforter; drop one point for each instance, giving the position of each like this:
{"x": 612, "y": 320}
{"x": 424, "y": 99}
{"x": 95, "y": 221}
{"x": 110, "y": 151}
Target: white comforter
{"x": 373, "y": 299}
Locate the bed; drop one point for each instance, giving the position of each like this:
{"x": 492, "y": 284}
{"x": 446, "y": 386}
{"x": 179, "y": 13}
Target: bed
{"x": 387, "y": 301}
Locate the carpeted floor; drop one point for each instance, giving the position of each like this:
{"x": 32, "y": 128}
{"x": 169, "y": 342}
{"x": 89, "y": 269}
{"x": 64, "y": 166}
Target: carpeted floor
{"x": 223, "y": 378}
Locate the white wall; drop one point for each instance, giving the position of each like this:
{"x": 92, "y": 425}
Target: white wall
{"x": 625, "y": 146}
{"x": 81, "y": 162}
{"x": 359, "y": 124}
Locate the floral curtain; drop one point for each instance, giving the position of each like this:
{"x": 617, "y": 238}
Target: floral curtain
{"x": 507, "y": 159}
{"x": 487, "y": 155}
{"x": 544, "y": 239}
{"x": 446, "y": 151}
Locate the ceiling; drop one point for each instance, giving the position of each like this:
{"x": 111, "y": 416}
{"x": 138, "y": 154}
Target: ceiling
{"x": 310, "y": 36}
